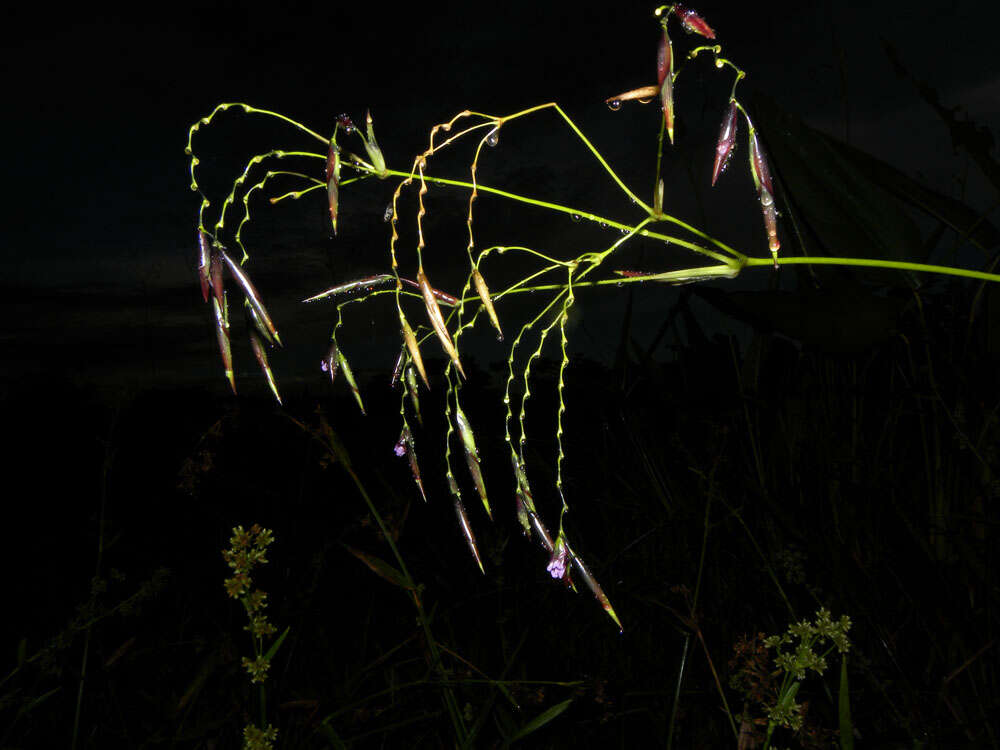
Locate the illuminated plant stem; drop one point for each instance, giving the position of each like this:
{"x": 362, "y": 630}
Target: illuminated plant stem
{"x": 563, "y": 317}
{"x": 603, "y": 220}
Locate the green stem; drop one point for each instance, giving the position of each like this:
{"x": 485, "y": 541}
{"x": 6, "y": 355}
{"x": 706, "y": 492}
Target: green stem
{"x": 452, "y": 705}
{"x": 875, "y": 263}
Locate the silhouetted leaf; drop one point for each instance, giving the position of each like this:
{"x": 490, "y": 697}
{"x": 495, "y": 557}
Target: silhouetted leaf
{"x": 380, "y": 567}
{"x": 541, "y": 720}
{"x": 850, "y": 214}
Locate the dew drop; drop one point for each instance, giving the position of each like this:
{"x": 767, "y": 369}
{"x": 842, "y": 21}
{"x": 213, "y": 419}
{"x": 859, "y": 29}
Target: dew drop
{"x": 493, "y": 139}
{"x": 614, "y": 104}
{"x": 625, "y": 230}
{"x": 387, "y": 214}
{"x": 576, "y": 217}
{"x": 194, "y": 186}
{"x": 187, "y": 150}
{"x": 499, "y": 337}
{"x": 506, "y": 399}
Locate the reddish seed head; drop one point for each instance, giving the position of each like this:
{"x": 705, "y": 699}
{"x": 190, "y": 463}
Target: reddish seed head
{"x": 765, "y": 191}
{"x": 693, "y": 23}
{"x": 204, "y": 262}
{"x": 665, "y": 76}
{"x": 664, "y": 58}
{"x": 758, "y": 165}
{"x": 726, "y": 142}
{"x": 345, "y": 122}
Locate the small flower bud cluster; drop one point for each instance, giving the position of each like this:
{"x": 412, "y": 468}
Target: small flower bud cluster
{"x": 247, "y": 549}
{"x": 803, "y": 638}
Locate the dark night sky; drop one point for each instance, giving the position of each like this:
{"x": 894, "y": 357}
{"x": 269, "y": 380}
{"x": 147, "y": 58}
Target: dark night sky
{"x": 98, "y": 246}
{"x": 99, "y": 239}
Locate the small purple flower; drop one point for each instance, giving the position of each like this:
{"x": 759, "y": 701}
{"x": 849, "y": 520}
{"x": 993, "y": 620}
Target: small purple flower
{"x": 402, "y": 444}
{"x": 557, "y": 563}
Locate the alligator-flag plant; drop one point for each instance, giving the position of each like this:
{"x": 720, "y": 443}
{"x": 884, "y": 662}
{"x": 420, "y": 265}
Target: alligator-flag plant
{"x": 428, "y": 314}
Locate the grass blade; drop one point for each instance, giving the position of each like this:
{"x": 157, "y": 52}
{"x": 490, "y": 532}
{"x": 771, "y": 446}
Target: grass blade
{"x": 541, "y": 720}
{"x": 380, "y": 568}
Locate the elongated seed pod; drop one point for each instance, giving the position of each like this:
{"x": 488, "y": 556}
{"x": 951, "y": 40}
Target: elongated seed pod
{"x": 693, "y": 23}
{"x": 765, "y": 191}
{"x": 254, "y": 320}
{"x": 374, "y": 152}
{"x": 437, "y": 320}
{"x": 257, "y": 344}
{"x": 406, "y": 446}
{"x": 727, "y": 141}
{"x": 522, "y": 495}
{"x": 413, "y": 347}
{"x": 397, "y": 370}
{"x": 472, "y": 456}
{"x": 594, "y": 586}
{"x": 665, "y": 76}
{"x": 484, "y": 294}
{"x": 222, "y": 334}
{"x": 411, "y": 390}
{"x": 365, "y": 283}
{"x": 463, "y": 521}
{"x": 252, "y": 295}
{"x": 643, "y": 94}
{"x": 349, "y": 377}
{"x": 333, "y": 180}
{"x": 331, "y": 362}
{"x": 215, "y": 266}
{"x": 204, "y": 263}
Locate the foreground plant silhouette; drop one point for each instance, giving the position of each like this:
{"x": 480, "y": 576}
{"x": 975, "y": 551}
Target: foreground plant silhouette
{"x": 555, "y": 280}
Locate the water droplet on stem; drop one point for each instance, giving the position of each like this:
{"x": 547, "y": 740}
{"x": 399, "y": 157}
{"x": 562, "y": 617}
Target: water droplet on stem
{"x": 615, "y": 104}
